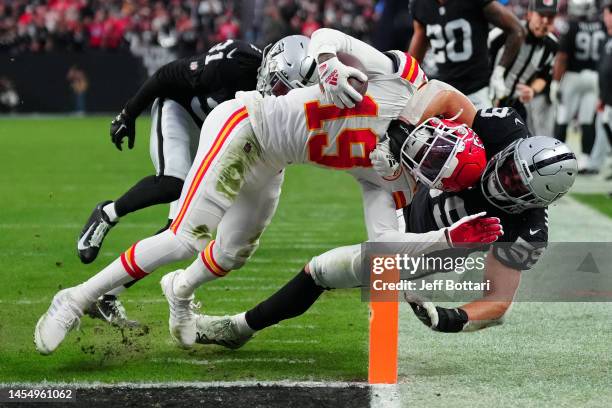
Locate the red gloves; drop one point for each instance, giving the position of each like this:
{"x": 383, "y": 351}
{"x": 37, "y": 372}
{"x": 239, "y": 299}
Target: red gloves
{"x": 474, "y": 231}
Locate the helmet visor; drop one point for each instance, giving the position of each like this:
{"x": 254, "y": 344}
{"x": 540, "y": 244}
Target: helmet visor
{"x": 435, "y": 160}
{"x": 510, "y": 178}
{"x": 278, "y": 87}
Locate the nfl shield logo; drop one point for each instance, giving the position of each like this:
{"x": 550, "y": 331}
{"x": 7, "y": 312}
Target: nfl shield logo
{"x": 193, "y": 66}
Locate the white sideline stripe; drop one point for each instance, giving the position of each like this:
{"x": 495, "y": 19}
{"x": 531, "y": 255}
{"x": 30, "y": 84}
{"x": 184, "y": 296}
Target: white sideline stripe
{"x": 292, "y": 341}
{"x": 279, "y": 360}
{"x": 385, "y": 396}
{"x": 191, "y": 384}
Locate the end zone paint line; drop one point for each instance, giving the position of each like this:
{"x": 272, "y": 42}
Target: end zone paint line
{"x": 193, "y": 384}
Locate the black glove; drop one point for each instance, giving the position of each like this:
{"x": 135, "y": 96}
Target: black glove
{"x": 123, "y": 125}
{"x": 439, "y": 318}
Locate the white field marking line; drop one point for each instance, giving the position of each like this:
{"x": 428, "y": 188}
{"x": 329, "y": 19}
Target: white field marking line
{"x": 292, "y": 341}
{"x": 385, "y": 396}
{"x": 572, "y": 221}
{"x": 186, "y": 384}
{"x": 74, "y": 226}
{"x": 278, "y": 360}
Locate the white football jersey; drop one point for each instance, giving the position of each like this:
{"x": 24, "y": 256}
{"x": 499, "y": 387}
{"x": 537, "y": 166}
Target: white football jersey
{"x": 304, "y": 127}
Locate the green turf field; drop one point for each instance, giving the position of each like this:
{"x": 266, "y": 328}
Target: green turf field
{"x": 600, "y": 202}
{"x": 56, "y": 170}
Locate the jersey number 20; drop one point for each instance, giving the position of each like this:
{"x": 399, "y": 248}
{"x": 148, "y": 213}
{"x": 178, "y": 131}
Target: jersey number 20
{"x": 344, "y": 158}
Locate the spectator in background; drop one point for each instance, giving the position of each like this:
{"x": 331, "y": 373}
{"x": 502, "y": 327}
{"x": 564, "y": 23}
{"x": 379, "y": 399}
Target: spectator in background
{"x": 79, "y": 84}
{"x": 8, "y": 96}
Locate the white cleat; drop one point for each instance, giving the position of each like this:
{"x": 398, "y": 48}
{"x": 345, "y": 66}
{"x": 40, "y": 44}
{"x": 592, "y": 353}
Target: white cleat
{"x": 220, "y": 330}
{"x": 62, "y": 316}
{"x": 182, "y": 321}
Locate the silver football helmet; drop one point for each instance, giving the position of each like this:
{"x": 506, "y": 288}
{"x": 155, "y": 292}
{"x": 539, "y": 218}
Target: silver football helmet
{"x": 529, "y": 173}
{"x": 286, "y": 65}
{"x": 581, "y": 8}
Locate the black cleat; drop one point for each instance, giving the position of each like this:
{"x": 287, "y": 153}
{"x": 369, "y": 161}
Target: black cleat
{"x": 111, "y": 310}
{"x": 94, "y": 232}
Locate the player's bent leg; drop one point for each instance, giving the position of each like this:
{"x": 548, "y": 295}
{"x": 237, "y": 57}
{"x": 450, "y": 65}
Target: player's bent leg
{"x": 292, "y": 300}
{"x": 242, "y": 226}
{"x": 226, "y": 160}
{"x": 338, "y": 268}
{"x": 137, "y": 262}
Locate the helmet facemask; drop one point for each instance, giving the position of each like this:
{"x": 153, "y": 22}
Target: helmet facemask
{"x": 431, "y": 152}
{"x": 506, "y": 182}
{"x": 286, "y": 66}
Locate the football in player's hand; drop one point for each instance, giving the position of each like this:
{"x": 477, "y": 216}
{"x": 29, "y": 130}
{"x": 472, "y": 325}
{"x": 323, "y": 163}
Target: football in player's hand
{"x": 352, "y": 61}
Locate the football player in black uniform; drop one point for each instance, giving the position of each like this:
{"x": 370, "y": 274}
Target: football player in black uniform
{"x": 516, "y": 194}
{"x": 457, "y": 32}
{"x": 574, "y": 85}
{"x": 183, "y": 92}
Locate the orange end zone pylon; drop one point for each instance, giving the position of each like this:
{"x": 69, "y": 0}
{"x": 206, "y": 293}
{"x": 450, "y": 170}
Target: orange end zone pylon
{"x": 384, "y": 319}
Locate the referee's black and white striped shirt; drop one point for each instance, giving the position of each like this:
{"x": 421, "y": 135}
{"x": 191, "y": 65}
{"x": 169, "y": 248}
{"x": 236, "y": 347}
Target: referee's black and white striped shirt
{"x": 534, "y": 59}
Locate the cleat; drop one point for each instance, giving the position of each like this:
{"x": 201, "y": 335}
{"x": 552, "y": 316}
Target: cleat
{"x": 219, "y": 330}
{"x": 62, "y": 316}
{"x": 110, "y": 309}
{"x": 182, "y": 321}
{"x": 93, "y": 234}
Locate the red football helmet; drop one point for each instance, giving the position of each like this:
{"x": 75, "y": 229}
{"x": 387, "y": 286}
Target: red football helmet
{"x": 444, "y": 155}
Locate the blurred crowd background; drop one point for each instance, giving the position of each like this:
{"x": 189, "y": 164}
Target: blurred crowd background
{"x": 191, "y": 26}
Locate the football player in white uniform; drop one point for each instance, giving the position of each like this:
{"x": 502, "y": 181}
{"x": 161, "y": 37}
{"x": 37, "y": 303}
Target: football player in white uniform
{"x": 234, "y": 183}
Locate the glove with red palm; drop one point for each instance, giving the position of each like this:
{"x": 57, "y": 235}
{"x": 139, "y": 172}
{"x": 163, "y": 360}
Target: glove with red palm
{"x": 474, "y": 231}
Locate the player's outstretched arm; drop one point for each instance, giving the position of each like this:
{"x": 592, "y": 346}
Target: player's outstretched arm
{"x": 479, "y": 314}
{"x": 330, "y": 41}
{"x": 438, "y": 98}
{"x": 419, "y": 42}
{"x": 171, "y": 79}
{"x": 501, "y": 17}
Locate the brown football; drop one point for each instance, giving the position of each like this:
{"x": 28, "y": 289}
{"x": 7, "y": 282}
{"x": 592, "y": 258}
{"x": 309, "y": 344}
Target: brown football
{"x": 352, "y": 61}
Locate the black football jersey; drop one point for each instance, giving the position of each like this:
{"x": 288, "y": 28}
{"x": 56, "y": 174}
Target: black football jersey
{"x": 525, "y": 234}
{"x": 605, "y": 72}
{"x": 202, "y": 82}
{"x": 582, "y": 40}
{"x": 457, "y": 32}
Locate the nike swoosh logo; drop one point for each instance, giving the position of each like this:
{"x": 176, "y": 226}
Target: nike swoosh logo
{"x": 517, "y": 122}
{"x": 81, "y": 244}
{"x": 104, "y": 315}
{"x": 231, "y": 53}
{"x": 120, "y": 128}
{"x": 532, "y": 232}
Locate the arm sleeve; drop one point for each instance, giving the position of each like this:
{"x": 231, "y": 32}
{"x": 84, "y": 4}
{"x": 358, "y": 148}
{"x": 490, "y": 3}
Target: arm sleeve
{"x": 327, "y": 40}
{"x": 524, "y": 243}
{"x": 382, "y": 225}
{"x": 172, "y": 79}
{"x": 497, "y": 39}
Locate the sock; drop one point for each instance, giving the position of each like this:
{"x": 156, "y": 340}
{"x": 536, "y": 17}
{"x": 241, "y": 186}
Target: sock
{"x": 241, "y": 324}
{"x": 151, "y": 190}
{"x": 588, "y": 138}
{"x": 560, "y": 132}
{"x": 193, "y": 277}
{"x": 140, "y": 259}
{"x": 109, "y": 210}
{"x": 291, "y": 300}
{"x": 107, "y": 279}
{"x": 117, "y": 291}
